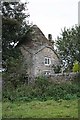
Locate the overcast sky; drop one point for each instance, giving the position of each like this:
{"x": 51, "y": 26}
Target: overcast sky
{"x": 53, "y": 15}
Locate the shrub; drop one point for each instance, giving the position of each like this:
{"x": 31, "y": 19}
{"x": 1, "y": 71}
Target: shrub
{"x": 76, "y": 66}
{"x": 42, "y": 90}
{"x": 56, "y": 68}
{"x": 42, "y": 81}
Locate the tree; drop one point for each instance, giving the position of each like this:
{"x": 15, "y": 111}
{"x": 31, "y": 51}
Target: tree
{"x": 68, "y": 46}
{"x": 14, "y": 29}
{"x": 76, "y": 66}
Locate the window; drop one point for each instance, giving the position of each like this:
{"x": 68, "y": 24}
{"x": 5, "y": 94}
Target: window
{"x": 47, "y": 61}
{"x": 47, "y": 72}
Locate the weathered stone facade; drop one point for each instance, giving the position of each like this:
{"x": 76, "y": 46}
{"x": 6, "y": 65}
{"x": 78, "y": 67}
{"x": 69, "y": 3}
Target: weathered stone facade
{"x": 39, "y": 61}
{"x": 39, "y": 55}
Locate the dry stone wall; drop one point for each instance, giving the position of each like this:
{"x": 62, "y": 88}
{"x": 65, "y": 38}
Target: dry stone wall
{"x": 65, "y": 77}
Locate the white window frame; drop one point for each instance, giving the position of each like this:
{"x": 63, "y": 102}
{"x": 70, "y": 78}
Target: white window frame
{"x": 47, "y": 61}
{"x": 47, "y": 72}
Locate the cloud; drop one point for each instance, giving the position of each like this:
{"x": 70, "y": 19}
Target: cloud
{"x": 52, "y": 15}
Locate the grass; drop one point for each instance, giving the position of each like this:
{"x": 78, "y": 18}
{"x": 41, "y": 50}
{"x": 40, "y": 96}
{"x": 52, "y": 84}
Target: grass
{"x": 38, "y": 109}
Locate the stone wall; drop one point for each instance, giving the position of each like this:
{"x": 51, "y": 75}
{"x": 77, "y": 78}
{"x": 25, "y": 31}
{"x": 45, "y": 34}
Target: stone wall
{"x": 39, "y": 65}
{"x": 65, "y": 77}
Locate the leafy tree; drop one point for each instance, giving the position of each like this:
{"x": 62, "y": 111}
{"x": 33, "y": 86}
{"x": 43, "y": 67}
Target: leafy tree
{"x": 68, "y": 45}
{"x": 76, "y": 66}
{"x": 14, "y": 29}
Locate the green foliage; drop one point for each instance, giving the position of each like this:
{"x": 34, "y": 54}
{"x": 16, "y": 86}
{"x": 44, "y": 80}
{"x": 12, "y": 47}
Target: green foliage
{"x": 68, "y": 45}
{"x": 15, "y": 73}
{"x": 42, "y": 90}
{"x": 76, "y": 66}
{"x": 42, "y": 82}
{"x": 14, "y": 28}
{"x": 57, "y": 68}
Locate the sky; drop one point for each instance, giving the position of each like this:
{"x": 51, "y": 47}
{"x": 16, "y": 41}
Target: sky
{"x": 53, "y": 15}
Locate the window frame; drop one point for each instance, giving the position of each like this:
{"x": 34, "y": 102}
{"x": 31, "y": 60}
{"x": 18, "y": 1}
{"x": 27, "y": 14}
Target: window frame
{"x": 47, "y": 61}
{"x": 47, "y": 72}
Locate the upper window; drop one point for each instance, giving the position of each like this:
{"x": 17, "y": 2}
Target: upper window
{"x": 47, "y": 61}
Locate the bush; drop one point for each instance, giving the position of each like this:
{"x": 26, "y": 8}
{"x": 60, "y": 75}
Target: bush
{"x": 76, "y": 66}
{"x": 42, "y": 90}
{"x": 42, "y": 81}
{"x": 57, "y": 68}
{"x": 70, "y": 96}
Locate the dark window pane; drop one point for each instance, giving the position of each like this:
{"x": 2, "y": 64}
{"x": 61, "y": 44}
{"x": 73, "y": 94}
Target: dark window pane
{"x": 48, "y": 60}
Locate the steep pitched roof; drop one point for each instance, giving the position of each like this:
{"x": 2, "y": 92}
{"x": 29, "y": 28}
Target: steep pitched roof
{"x": 34, "y": 35}
{"x": 36, "y": 41}
{"x": 43, "y": 47}
{"x": 39, "y": 49}
{"x": 38, "y": 36}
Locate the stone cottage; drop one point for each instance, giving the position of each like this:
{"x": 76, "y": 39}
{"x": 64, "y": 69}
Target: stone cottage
{"x": 38, "y": 53}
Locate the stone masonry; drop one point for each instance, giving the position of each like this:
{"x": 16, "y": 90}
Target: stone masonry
{"x": 35, "y": 53}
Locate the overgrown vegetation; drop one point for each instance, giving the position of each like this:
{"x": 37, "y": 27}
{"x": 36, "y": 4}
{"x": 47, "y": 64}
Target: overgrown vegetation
{"x": 14, "y": 30}
{"x": 42, "y": 90}
{"x": 31, "y": 101}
